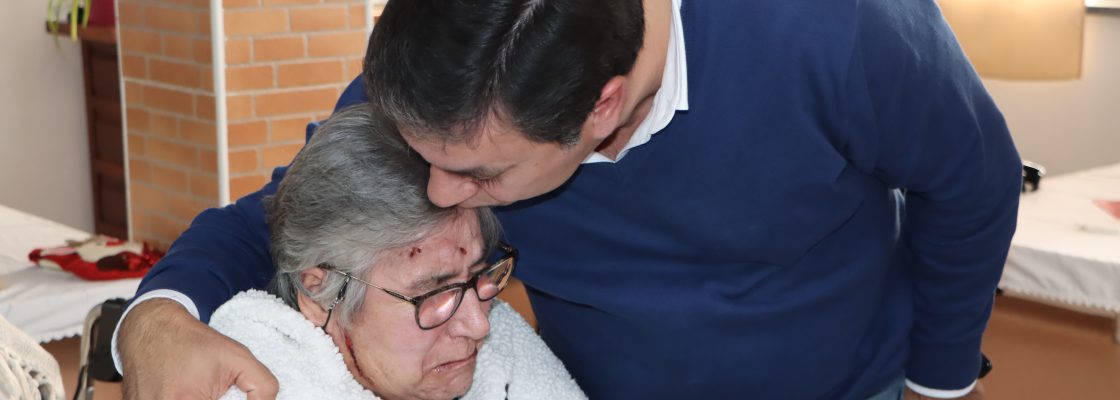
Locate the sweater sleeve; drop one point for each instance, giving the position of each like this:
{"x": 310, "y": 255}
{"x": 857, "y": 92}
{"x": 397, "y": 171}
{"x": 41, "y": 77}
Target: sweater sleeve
{"x": 926, "y": 125}
{"x": 225, "y": 251}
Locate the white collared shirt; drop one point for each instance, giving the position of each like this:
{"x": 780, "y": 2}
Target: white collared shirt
{"x": 670, "y": 98}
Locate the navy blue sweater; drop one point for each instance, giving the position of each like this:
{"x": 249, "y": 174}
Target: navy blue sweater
{"x": 833, "y": 211}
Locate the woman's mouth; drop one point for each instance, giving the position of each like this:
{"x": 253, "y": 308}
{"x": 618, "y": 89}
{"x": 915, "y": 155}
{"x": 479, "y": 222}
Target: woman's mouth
{"x": 457, "y": 364}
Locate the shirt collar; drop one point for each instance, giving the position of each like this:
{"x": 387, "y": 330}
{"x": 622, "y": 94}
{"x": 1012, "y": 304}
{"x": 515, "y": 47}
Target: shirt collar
{"x": 670, "y": 98}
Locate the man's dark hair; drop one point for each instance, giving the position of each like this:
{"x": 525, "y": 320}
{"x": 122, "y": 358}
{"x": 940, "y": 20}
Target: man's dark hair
{"x": 441, "y": 68}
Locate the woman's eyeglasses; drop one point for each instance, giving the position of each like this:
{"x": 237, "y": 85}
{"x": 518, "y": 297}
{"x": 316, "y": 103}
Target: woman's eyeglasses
{"x": 437, "y": 306}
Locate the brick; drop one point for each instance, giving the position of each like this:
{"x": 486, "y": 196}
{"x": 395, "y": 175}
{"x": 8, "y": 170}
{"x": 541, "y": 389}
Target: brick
{"x": 148, "y": 197}
{"x": 230, "y": 4}
{"x": 165, "y": 230}
{"x": 206, "y": 78}
{"x": 178, "y": 47}
{"x": 336, "y": 44}
{"x": 243, "y": 161}
{"x": 318, "y": 18}
{"x": 247, "y": 133}
{"x": 185, "y": 207}
{"x": 203, "y": 51}
{"x": 164, "y": 126}
{"x": 352, "y": 68}
{"x": 134, "y": 66}
{"x": 205, "y": 186}
{"x": 301, "y": 101}
{"x": 138, "y": 170}
{"x": 208, "y": 161}
{"x": 138, "y": 220}
{"x": 239, "y": 107}
{"x": 136, "y": 145}
{"x": 133, "y": 92}
{"x": 171, "y": 19}
{"x": 256, "y": 21}
{"x": 204, "y": 19}
{"x": 243, "y": 185}
{"x": 276, "y": 156}
{"x": 203, "y": 134}
{"x": 288, "y": 130}
{"x": 278, "y": 48}
{"x": 357, "y": 16}
{"x": 169, "y": 100}
{"x": 188, "y": 3}
{"x": 238, "y": 51}
{"x": 310, "y": 73}
{"x": 168, "y": 178}
{"x": 170, "y": 152}
{"x": 249, "y": 77}
{"x": 288, "y": 2}
{"x": 130, "y": 14}
{"x": 204, "y": 107}
{"x": 138, "y": 120}
{"x": 139, "y": 41}
{"x": 175, "y": 73}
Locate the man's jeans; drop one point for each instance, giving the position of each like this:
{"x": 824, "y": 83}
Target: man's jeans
{"x": 893, "y": 390}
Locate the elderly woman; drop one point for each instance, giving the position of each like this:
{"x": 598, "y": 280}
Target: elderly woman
{"x": 379, "y": 293}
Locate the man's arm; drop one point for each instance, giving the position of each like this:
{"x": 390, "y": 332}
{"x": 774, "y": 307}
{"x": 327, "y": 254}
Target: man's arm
{"x": 162, "y": 336}
{"x": 225, "y": 251}
{"x": 924, "y": 123}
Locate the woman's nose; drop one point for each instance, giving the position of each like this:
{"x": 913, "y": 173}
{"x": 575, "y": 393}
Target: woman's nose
{"x": 472, "y": 318}
{"x": 446, "y": 189}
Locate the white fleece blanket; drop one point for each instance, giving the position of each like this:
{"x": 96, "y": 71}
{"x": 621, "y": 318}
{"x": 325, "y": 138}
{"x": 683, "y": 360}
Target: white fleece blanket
{"x": 27, "y": 371}
{"x": 513, "y": 363}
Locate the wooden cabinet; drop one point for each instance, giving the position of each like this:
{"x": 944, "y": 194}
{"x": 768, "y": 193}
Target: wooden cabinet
{"x": 103, "y": 117}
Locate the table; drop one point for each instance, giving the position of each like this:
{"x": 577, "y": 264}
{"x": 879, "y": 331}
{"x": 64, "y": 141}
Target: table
{"x": 46, "y": 304}
{"x": 1066, "y": 250}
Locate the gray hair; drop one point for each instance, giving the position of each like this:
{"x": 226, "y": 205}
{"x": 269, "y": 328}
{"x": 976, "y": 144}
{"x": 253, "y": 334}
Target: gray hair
{"x": 354, "y": 191}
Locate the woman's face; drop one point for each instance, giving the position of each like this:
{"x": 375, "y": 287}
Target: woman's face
{"x": 383, "y": 346}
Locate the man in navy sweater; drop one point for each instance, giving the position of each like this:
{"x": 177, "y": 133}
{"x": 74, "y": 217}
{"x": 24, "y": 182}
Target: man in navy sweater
{"x": 765, "y": 199}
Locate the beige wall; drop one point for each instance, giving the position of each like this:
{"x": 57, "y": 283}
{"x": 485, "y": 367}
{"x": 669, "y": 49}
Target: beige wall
{"x": 1070, "y": 125}
{"x": 44, "y": 159}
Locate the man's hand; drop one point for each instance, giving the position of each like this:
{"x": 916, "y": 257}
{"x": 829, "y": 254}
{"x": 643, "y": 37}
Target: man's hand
{"x": 168, "y": 354}
{"x": 976, "y": 394}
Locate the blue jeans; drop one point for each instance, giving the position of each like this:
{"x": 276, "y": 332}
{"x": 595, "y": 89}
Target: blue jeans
{"x": 893, "y": 390}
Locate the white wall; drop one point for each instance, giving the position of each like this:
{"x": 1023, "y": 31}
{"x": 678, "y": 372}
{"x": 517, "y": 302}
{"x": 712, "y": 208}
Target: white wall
{"x": 44, "y": 158}
{"x": 1070, "y": 125}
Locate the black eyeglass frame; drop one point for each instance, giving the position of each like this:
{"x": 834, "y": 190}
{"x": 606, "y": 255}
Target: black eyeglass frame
{"x": 471, "y": 283}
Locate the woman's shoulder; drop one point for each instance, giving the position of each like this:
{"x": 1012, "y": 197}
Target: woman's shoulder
{"x": 515, "y": 363}
{"x": 303, "y": 358}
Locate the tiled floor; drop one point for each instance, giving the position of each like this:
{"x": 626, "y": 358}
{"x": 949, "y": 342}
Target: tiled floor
{"x": 1039, "y": 353}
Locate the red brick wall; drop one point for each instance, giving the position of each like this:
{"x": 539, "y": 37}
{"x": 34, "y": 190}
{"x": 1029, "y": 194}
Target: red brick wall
{"x": 286, "y": 63}
{"x": 169, "y": 102}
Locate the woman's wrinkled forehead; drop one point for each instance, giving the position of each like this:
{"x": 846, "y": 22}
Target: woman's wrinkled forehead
{"x": 446, "y": 253}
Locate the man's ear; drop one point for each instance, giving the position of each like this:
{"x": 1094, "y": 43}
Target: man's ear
{"x": 605, "y": 117}
{"x": 312, "y": 279}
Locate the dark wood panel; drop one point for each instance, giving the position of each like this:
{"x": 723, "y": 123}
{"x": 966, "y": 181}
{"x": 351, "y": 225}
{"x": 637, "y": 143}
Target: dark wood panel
{"x": 112, "y": 193}
{"x": 103, "y": 117}
{"x": 108, "y": 145}
{"x": 104, "y": 72}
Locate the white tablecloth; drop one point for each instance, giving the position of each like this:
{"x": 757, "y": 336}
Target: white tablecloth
{"x": 1067, "y": 250}
{"x": 47, "y": 305}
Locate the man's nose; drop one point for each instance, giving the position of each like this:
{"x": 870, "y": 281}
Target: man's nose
{"x": 471, "y": 320}
{"x": 446, "y": 189}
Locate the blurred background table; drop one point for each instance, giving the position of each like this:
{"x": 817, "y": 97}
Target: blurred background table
{"x": 1066, "y": 250}
{"x": 46, "y": 304}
